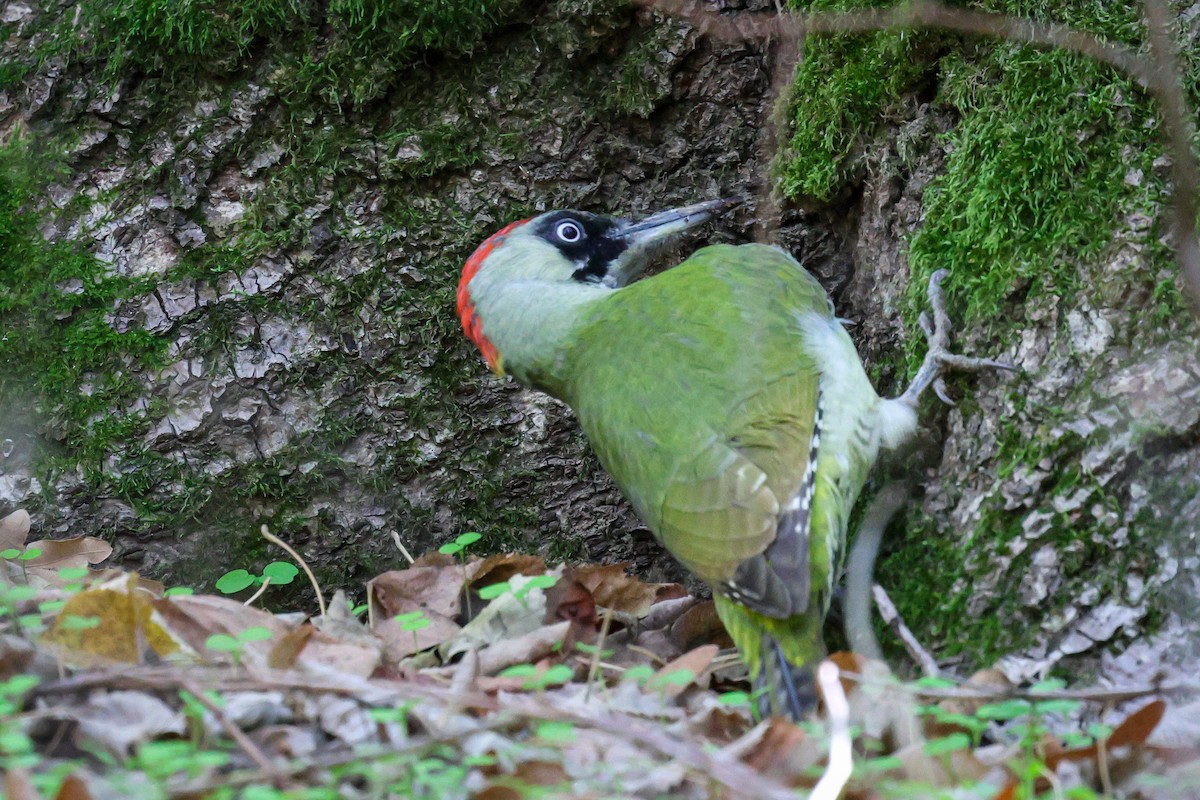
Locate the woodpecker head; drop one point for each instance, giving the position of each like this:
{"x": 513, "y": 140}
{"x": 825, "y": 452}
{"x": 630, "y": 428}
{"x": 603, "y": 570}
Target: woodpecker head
{"x": 515, "y": 281}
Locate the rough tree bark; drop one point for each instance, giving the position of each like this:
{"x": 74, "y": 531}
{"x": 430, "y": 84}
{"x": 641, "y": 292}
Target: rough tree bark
{"x": 296, "y": 256}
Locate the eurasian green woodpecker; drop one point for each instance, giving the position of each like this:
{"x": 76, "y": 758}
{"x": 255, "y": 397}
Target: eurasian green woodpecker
{"x": 722, "y": 395}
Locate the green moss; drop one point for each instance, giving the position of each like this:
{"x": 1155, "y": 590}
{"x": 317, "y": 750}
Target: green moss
{"x": 59, "y": 354}
{"x": 379, "y": 99}
{"x": 845, "y": 89}
{"x": 1048, "y": 153}
{"x": 1034, "y": 178}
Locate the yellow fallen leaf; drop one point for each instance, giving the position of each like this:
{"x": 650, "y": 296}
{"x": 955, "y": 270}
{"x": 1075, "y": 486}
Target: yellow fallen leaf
{"x": 111, "y": 624}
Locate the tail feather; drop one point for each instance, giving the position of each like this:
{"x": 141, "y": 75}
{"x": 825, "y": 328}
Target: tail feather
{"x": 788, "y": 690}
{"x": 781, "y": 655}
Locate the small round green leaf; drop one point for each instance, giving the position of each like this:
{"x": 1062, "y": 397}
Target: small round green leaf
{"x": 11, "y": 552}
{"x": 223, "y": 642}
{"x": 493, "y": 591}
{"x": 450, "y": 548}
{"x": 518, "y": 671}
{"x": 734, "y": 698}
{"x": 30, "y": 554}
{"x": 255, "y": 634}
{"x": 280, "y": 572}
{"x": 468, "y": 539}
{"x": 234, "y": 581}
{"x": 72, "y": 622}
{"x": 947, "y": 744}
{"x": 179, "y": 591}
{"x": 541, "y": 582}
{"x": 555, "y": 731}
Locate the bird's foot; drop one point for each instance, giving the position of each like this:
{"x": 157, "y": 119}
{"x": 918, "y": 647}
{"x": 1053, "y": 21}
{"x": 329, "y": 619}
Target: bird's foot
{"x": 939, "y": 360}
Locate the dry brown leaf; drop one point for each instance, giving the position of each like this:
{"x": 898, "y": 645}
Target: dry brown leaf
{"x": 119, "y": 720}
{"x": 124, "y": 624}
{"x": 784, "y": 752}
{"x": 73, "y": 788}
{"x": 432, "y": 588}
{"x": 1133, "y": 732}
{"x": 1138, "y": 726}
{"x": 847, "y": 662}
{"x": 715, "y": 720}
{"x": 524, "y": 649}
{"x": 502, "y": 566}
{"x": 540, "y": 773}
{"x": 191, "y": 619}
{"x": 700, "y": 625}
{"x": 287, "y": 647}
{"x": 433, "y": 559}
{"x": 663, "y": 614}
{"x": 499, "y": 792}
{"x": 695, "y": 662}
{"x": 399, "y": 644}
{"x": 570, "y": 600}
{"x": 63, "y": 553}
{"x": 350, "y": 658}
{"x": 19, "y": 786}
{"x": 612, "y": 588}
{"x": 14, "y": 529}
{"x": 15, "y": 655}
{"x": 513, "y": 613}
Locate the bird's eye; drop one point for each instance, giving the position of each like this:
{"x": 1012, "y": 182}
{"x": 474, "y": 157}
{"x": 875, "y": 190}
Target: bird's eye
{"x": 568, "y": 231}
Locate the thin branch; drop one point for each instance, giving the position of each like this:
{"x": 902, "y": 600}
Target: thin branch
{"x": 1181, "y": 132}
{"x": 918, "y": 14}
{"x": 737, "y": 778}
{"x": 273, "y": 539}
{"x": 860, "y": 568}
{"x": 887, "y": 610}
{"x": 266, "y": 582}
{"x": 237, "y": 734}
{"x": 841, "y": 754}
{"x": 1159, "y": 77}
{"x": 594, "y": 665}
{"x": 400, "y": 546}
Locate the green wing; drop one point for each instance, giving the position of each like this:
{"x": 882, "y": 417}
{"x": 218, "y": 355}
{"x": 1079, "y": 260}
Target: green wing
{"x": 698, "y": 394}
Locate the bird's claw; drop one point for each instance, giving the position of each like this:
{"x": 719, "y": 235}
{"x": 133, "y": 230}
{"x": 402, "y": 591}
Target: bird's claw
{"x": 938, "y": 358}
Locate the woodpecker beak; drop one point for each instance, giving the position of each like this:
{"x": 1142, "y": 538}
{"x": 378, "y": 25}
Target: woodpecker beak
{"x": 643, "y": 238}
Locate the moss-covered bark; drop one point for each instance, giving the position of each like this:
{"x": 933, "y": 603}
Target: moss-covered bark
{"x": 1037, "y": 178}
{"x": 278, "y": 198}
{"x": 236, "y": 306}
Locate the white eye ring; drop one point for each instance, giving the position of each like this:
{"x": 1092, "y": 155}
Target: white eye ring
{"x": 568, "y": 231}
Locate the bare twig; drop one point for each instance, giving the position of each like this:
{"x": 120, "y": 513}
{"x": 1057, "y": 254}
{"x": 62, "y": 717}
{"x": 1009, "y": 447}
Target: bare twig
{"x": 1160, "y": 77}
{"x": 1181, "y": 132}
{"x": 268, "y": 769}
{"x": 841, "y": 759}
{"x": 594, "y": 666}
{"x": 917, "y": 14}
{"x": 1095, "y": 694}
{"x": 275, "y": 540}
{"x": 400, "y": 546}
{"x": 861, "y": 566}
{"x": 887, "y": 610}
{"x": 266, "y": 582}
{"x": 1102, "y": 756}
{"x": 738, "y": 779}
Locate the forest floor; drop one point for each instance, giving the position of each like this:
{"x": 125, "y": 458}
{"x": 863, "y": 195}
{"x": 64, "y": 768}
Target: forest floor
{"x": 496, "y": 678}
